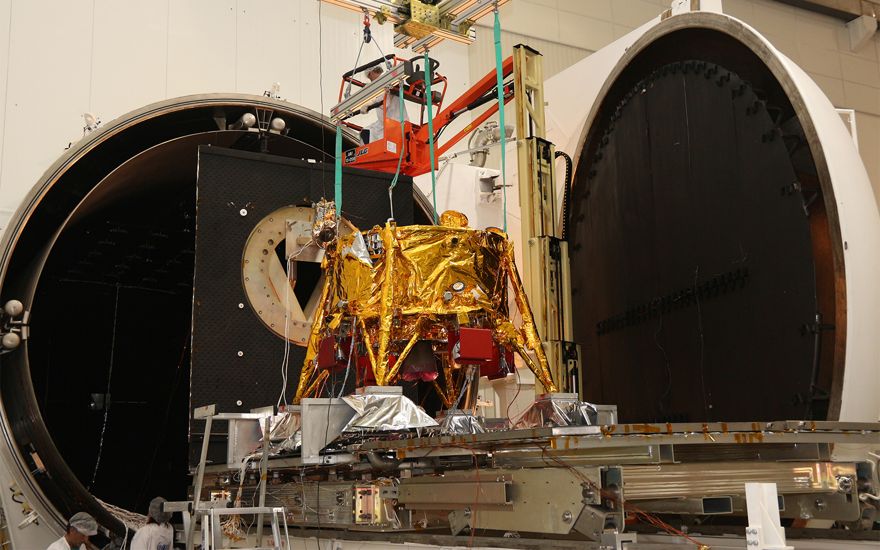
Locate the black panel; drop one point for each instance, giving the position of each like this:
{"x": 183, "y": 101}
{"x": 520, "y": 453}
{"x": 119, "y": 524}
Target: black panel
{"x": 691, "y": 252}
{"x": 137, "y": 175}
{"x": 229, "y": 181}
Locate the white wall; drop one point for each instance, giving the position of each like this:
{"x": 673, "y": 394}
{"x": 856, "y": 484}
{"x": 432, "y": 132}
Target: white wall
{"x": 819, "y": 44}
{"x": 62, "y": 58}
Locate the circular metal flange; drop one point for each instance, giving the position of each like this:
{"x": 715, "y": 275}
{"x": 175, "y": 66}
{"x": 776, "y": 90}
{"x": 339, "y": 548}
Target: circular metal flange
{"x": 276, "y": 245}
{"x": 846, "y": 194}
{"x": 83, "y": 182}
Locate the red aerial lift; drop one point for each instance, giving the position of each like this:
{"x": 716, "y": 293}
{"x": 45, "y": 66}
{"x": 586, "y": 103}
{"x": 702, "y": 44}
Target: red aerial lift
{"x": 384, "y": 154}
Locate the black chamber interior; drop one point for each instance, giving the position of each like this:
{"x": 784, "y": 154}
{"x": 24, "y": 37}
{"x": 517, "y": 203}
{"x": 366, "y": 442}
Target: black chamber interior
{"x": 113, "y": 307}
{"x": 696, "y": 228}
{"x": 109, "y": 354}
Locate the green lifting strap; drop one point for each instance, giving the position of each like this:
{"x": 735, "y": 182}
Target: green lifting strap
{"x": 430, "y": 104}
{"x": 337, "y": 188}
{"x": 500, "y": 77}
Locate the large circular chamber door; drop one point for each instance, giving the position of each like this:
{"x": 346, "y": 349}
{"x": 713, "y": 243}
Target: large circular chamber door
{"x": 711, "y": 225}
{"x": 101, "y": 252}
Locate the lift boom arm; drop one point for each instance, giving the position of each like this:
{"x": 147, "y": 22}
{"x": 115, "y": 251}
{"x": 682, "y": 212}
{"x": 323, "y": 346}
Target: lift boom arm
{"x": 479, "y": 94}
{"x": 382, "y": 155}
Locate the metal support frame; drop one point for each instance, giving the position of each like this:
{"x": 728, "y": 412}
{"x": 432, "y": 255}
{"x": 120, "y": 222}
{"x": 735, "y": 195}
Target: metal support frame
{"x": 195, "y": 510}
{"x": 421, "y": 25}
{"x": 545, "y": 265}
{"x": 705, "y": 435}
{"x": 571, "y": 479}
{"x": 764, "y": 531}
{"x": 206, "y": 412}
{"x": 369, "y": 93}
{"x": 212, "y": 535}
{"x": 264, "y": 462}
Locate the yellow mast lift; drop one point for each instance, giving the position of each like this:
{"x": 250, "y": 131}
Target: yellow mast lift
{"x": 546, "y": 272}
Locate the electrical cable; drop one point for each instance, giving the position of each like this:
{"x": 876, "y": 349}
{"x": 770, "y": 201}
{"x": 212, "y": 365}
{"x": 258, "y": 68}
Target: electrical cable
{"x": 566, "y": 193}
{"x": 475, "y": 104}
{"x": 518, "y": 383}
{"x": 231, "y": 527}
{"x": 337, "y": 197}
{"x": 107, "y": 392}
{"x": 429, "y": 103}
{"x": 402, "y": 146}
{"x": 515, "y": 395}
{"x": 131, "y": 519}
{"x": 338, "y": 149}
{"x": 285, "y": 360}
{"x": 350, "y": 354}
{"x": 337, "y": 175}
{"x": 164, "y": 425}
{"x": 321, "y": 99}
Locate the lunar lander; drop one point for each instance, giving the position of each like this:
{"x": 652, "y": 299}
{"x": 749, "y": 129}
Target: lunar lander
{"x": 421, "y": 303}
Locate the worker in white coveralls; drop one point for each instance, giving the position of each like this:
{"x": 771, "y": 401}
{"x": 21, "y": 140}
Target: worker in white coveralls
{"x": 80, "y": 527}
{"x": 157, "y": 534}
{"x": 376, "y": 130}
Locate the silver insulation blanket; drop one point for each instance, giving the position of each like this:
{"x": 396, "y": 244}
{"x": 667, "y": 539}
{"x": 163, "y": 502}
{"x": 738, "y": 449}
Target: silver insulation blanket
{"x": 557, "y": 410}
{"x": 384, "y": 412}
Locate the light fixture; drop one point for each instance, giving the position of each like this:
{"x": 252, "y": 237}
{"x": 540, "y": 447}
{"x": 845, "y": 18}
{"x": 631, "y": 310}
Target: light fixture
{"x": 245, "y": 122}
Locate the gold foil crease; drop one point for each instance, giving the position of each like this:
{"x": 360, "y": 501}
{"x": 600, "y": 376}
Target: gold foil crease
{"x": 423, "y": 279}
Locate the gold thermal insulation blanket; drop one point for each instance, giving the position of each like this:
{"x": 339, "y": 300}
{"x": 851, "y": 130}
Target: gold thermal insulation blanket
{"x": 393, "y": 286}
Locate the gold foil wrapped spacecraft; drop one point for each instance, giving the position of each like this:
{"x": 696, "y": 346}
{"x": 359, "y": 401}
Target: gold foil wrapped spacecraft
{"x": 394, "y": 286}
